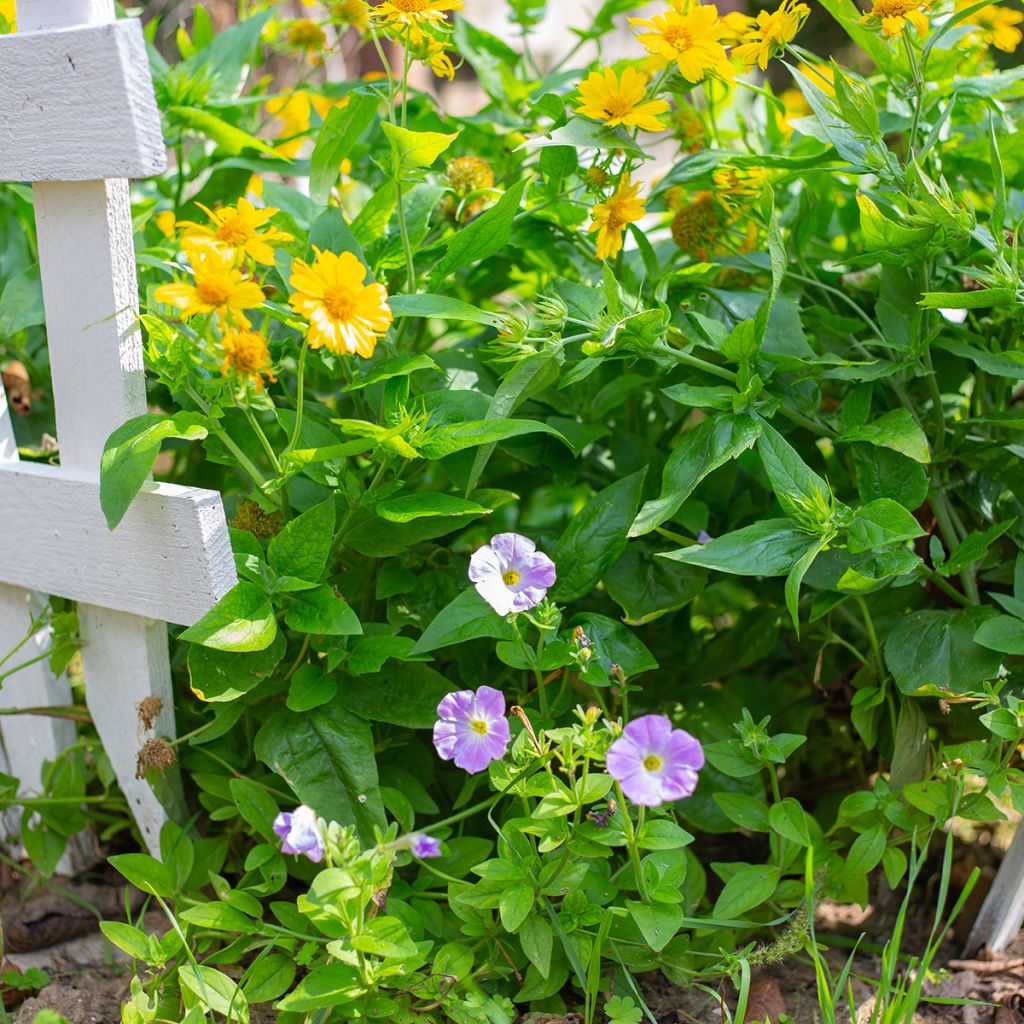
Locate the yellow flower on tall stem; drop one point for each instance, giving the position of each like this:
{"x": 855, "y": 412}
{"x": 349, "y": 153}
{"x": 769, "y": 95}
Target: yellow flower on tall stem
{"x": 237, "y": 230}
{"x": 7, "y": 13}
{"x": 219, "y": 287}
{"x": 690, "y": 39}
{"x": 997, "y": 26}
{"x": 614, "y": 215}
{"x": 616, "y": 100}
{"x": 344, "y": 314}
{"x": 891, "y": 16}
{"x": 247, "y": 354}
{"x": 771, "y": 32}
{"x": 412, "y": 16}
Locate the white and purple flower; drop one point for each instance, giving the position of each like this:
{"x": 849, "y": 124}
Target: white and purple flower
{"x": 471, "y": 728}
{"x": 423, "y": 846}
{"x": 654, "y": 763}
{"x": 300, "y": 833}
{"x": 510, "y": 574}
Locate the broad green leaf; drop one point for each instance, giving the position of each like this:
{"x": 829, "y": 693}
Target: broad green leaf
{"x": 481, "y": 237}
{"x": 897, "y": 430}
{"x": 647, "y": 587}
{"x": 1000, "y": 364}
{"x": 255, "y": 805}
{"x": 467, "y": 617}
{"x": 230, "y": 139}
{"x": 796, "y": 575}
{"x": 134, "y": 942}
{"x": 981, "y": 299}
{"x": 331, "y": 232}
{"x": 449, "y": 438}
{"x": 332, "y": 985}
{"x": 388, "y": 369}
{"x": 215, "y": 991}
{"x": 537, "y": 940}
{"x": 310, "y": 688}
{"x": 130, "y": 453}
{"x": 242, "y": 620}
{"x": 442, "y": 307}
{"x": 613, "y": 643}
{"x": 21, "y": 304}
{"x": 658, "y": 922}
{"x": 269, "y": 978}
{"x": 795, "y": 484}
{"x": 408, "y": 507}
{"x": 748, "y": 888}
{"x": 301, "y": 549}
{"x": 219, "y": 916}
{"x": 709, "y": 445}
{"x": 749, "y": 812}
{"x": 973, "y": 548}
{"x": 866, "y": 852}
{"x": 881, "y": 522}
{"x": 411, "y": 149}
{"x": 145, "y": 873}
{"x": 322, "y": 611}
{"x": 339, "y": 133}
{"x": 407, "y": 694}
{"x": 327, "y": 757}
{"x": 768, "y": 548}
{"x": 883, "y": 473}
{"x": 596, "y": 537}
{"x": 789, "y": 820}
{"x": 1003, "y": 633}
{"x": 515, "y": 905}
{"x": 937, "y": 648}
{"x": 218, "y": 676}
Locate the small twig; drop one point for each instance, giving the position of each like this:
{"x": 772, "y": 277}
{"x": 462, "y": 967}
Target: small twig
{"x": 987, "y": 966}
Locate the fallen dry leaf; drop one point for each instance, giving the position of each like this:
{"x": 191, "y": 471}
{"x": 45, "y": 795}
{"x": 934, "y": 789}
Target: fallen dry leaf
{"x": 765, "y": 1003}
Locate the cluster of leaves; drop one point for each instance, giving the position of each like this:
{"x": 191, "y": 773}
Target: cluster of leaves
{"x": 771, "y": 445}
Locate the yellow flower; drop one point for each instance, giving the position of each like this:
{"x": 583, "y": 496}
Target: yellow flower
{"x": 821, "y": 75}
{"x": 306, "y": 36}
{"x": 439, "y": 60}
{"x": 7, "y": 14}
{"x": 612, "y": 217}
{"x": 350, "y": 12}
{"x": 219, "y": 287}
{"x": 614, "y": 100}
{"x": 997, "y": 26}
{"x": 795, "y": 107}
{"x": 236, "y": 230}
{"x": 689, "y": 39}
{"x": 343, "y": 313}
{"x": 246, "y": 353}
{"x": 295, "y": 112}
{"x": 771, "y": 33}
{"x": 695, "y": 226}
{"x": 891, "y": 16}
{"x": 166, "y": 222}
{"x": 411, "y": 16}
{"x": 736, "y": 26}
{"x": 735, "y": 186}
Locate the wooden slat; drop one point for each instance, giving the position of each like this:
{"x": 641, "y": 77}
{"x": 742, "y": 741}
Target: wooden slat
{"x": 170, "y": 558}
{"x": 77, "y": 105}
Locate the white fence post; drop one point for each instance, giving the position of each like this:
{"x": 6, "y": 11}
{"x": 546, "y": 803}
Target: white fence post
{"x": 77, "y": 118}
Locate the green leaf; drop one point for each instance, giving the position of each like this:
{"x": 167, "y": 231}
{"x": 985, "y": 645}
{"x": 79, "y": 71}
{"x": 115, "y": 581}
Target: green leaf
{"x": 220, "y": 676}
{"x": 339, "y": 133}
{"x": 255, "y": 805}
{"x": 973, "y": 548}
{"x": 981, "y": 299}
{"x": 388, "y": 369}
{"x": 385, "y": 937}
{"x": 309, "y": 689}
{"x": 145, "y": 873}
{"x": 514, "y": 905}
{"x": 219, "y": 916}
{"x": 709, "y": 445}
{"x": 748, "y": 888}
{"x": 449, "y": 438}
{"x": 441, "y": 307}
{"x": 269, "y": 978}
{"x": 419, "y": 506}
{"x": 658, "y": 922}
{"x": 937, "y": 648}
{"x": 536, "y": 938}
{"x": 789, "y": 820}
{"x": 230, "y": 139}
{"x": 327, "y": 757}
{"x": 596, "y": 537}
{"x": 792, "y": 480}
{"x": 749, "y": 812}
{"x": 134, "y": 942}
{"x": 242, "y": 620}
{"x": 768, "y": 548}
{"x": 407, "y": 694}
{"x": 879, "y": 523}
{"x": 331, "y": 232}
{"x": 332, "y": 985}
{"x": 483, "y": 236}
{"x": 414, "y": 149}
{"x": 322, "y": 611}
{"x": 612, "y": 643}
{"x": 647, "y": 587}
{"x": 897, "y": 430}
{"x": 466, "y": 617}
{"x": 581, "y": 133}
{"x": 215, "y": 991}
{"x": 130, "y": 453}
{"x": 21, "y": 304}
{"x": 302, "y": 548}
{"x": 1003, "y": 633}
{"x": 796, "y": 576}
{"x": 866, "y": 852}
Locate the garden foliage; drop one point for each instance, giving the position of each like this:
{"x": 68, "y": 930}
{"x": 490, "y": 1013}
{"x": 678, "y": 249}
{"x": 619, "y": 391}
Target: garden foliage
{"x": 623, "y": 564}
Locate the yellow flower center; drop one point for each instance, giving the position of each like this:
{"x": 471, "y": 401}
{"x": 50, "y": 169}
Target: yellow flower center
{"x": 478, "y": 725}
{"x": 306, "y": 33}
{"x": 411, "y": 6}
{"x": 616, "y": 106}
{"x": 652, "y": 762}
{"x": 234, "y": 231}
{"x": 340, "y": 302}
{"x": 893, "y": 8}
{"x": 679, "y": 37}
{"x": 510, "y": 578}
{"x": 215, "y": 289}
{"x": 248, "y": 352}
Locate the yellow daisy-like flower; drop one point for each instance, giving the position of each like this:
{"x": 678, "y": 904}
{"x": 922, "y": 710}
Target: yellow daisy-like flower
{"x": 735, "y": 186}
{"x": 246, "y": 353}
{"x": 306, "y": 36}
{"x": 440, "y": 61}
{"x": 614, "y": 215}
{"x": 891, "y": 16}
{"x": 412, "y": 16}
{"x": 219, "y": 287}
{"x": 997, "y": 26}
{"x": 166, "y": 222}
{"x": 614, "y": 100}
{"x": 7, "y": 14}
{"x": 344, "y": 314}
{"x": 237, "y": 230}
{"x": 350, "y": 12}
{"x": 690, "y": 39}
{"x": 773, "y": 29}
{"x": 736, "y": 26}
{"x": 295, "y": 112}
{"x": 696, "y": 227}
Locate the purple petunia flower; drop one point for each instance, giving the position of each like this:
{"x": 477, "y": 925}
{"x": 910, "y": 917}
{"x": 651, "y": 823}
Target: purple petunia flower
{"x": 423, "y": 846}
{"x": 510, "y": 574}
{"x": 655, "y": 763}
{"x": 471, "y": 728}
{"x": 300, "y": 833}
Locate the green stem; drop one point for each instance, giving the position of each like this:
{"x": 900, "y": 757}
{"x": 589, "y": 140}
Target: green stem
{"x": 262, "y": 437}
{"x": 947, "y": 588}
{"x": 24, "y": 664}
{"x": 918, "y": 93}
{"x": 300, "y": 396}
{"x": 634, "y": 851}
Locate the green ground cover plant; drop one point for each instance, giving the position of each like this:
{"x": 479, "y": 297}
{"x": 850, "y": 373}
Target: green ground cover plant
{"x": 627, "y": 561}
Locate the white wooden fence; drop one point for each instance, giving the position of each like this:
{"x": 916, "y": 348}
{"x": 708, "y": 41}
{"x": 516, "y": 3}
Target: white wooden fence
{"x": 78, "y": 118}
